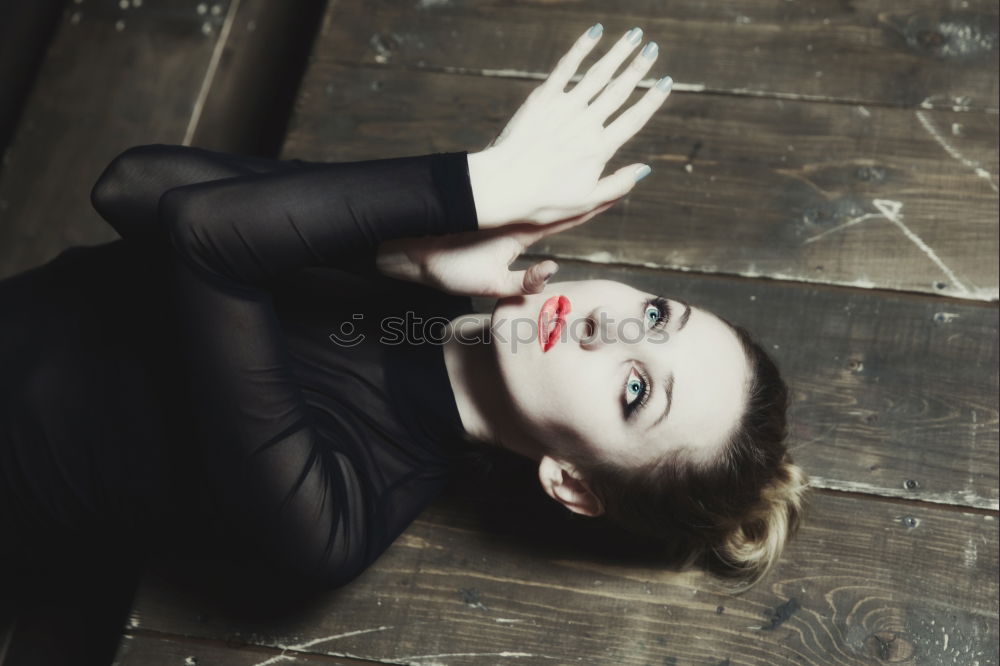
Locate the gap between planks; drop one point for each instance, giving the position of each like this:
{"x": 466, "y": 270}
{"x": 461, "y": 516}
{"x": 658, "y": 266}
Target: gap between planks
{"x": 607, "y": 259}
{"x": 983, "y": 506}
{"x": 933, "y": 103}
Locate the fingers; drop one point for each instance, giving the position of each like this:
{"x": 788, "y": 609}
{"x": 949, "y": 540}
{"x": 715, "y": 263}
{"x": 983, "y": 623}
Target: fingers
{"x": 600, "y": 72}
{"x": 530, "y": 281}
{"x": 632, "y": 119}
{"x": 569, "y": 63}
{"x": 536, "y": 276}
{"x": 618, "y": 184}
{"x": 623, "y": 85}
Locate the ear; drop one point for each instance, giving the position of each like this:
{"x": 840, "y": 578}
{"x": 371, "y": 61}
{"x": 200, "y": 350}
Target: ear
{"x": 566, "y": 485}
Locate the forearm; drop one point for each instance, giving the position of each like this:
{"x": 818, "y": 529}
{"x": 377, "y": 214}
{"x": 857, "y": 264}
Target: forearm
{"x": 259, "y": 227}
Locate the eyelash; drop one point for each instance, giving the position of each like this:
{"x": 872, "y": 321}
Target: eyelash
{"x": 664, "y": 308}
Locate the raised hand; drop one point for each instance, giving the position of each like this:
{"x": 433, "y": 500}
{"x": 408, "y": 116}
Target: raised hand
{"x": 546, "y": 164}
{"x": 475, "y": 263}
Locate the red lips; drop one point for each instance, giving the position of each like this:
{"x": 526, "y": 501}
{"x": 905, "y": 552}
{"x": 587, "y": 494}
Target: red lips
{"x": 551, "y": 319}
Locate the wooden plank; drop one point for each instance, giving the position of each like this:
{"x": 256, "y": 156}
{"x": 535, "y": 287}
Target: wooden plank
{"x": 25, "y": 31}
{"x": 219, "y": 75}
{"x": 790, "y": 190}
{"x": 112, "y": 77}
{"x": 138, "y": 649}
{"x": 865, "y": 580}
{"x": 912, "y": 53}
{"x": 260, "y": 66}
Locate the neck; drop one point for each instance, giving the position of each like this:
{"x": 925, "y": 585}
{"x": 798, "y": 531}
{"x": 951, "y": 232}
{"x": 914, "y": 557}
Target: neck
{"x": 480, "y": 394}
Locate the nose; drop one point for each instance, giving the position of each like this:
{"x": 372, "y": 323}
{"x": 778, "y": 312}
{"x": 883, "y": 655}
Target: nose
{"x": 595, "y": 333}
{"x": 599, "y": 329}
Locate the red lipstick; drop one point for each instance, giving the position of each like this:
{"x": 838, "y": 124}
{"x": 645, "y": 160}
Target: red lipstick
{"x": 551, "y": 319}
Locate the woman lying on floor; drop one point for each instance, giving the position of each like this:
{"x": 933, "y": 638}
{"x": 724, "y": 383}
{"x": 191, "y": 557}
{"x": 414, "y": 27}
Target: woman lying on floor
{"x": 289, "y": 348}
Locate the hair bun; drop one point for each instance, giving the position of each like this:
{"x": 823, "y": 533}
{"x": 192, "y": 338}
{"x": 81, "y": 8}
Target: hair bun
{"x": 750, "y": 550}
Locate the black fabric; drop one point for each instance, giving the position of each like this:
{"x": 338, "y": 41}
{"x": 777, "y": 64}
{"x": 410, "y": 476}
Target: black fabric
{"x": 186, "y": 375}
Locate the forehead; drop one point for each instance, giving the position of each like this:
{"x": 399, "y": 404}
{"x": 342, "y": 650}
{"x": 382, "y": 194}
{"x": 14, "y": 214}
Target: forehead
{"x": 710, "y": 373}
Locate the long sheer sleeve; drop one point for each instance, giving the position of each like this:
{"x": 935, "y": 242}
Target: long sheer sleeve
{"x": 288, "y": 487}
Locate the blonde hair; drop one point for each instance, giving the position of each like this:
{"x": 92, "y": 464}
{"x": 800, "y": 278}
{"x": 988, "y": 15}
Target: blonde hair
{"x": 752, "y": 547}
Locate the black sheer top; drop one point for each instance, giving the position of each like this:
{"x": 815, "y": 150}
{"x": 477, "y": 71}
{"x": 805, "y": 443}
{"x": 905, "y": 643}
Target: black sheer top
{"x": 237, "y": 360}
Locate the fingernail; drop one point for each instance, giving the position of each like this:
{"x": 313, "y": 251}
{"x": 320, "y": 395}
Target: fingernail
{"x": 595, "y": 31}
{"x": 546, "y": 278}
{"x": 642, "y": 172}
{"x": 650, "y": 50}
{"x": 634, "y": 36}
{"x": 665, "y": 84}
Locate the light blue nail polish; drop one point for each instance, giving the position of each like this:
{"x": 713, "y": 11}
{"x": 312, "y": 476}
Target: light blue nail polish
{"x": 665, "y": 84}
{"x": 595, "y": 31}
{"x": 634, "y": 36}
{"x": 650, "y": 50}
{"x": 642, "y": 172}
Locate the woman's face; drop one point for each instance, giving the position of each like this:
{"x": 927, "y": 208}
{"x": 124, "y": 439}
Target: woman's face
{"x": 628, "y": 375}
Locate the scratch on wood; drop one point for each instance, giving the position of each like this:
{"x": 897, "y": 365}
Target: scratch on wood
{"x": 891, "y": 211}
{"x": 959, "y": 103}
{"x": 316, "y": 641}
{"x": 951, "y": 150}
{"x": 213, "y": 65}
{"x": 955, "y": 498}
{"x": 300, "y": 647}
{"x": 849, "y": 223}
{"x": 421, "y": 660}
{"x": 275, "y": 659}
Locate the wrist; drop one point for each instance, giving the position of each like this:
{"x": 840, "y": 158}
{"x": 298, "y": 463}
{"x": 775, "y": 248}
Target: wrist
{"x": 484, "y": 177}
{"x": 395, "y": 258}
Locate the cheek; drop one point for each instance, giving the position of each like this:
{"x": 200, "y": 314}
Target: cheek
{"x": 575, "y": 403}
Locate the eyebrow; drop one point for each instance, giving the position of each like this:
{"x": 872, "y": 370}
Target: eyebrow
{"x": 685, "y": 316}
{"x": 668, "y": 387}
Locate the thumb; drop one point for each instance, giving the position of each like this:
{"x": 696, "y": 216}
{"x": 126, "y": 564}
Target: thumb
{"x": 532, "y": 280}
{"x": 618, "y": 184}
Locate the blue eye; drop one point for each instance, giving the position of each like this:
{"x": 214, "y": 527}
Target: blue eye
{"x": 636, "y": 392}
{"x": 656, "y": 314}
{"x": 657, "y": 311}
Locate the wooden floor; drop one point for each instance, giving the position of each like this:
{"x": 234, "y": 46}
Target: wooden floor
{"x": 825, "y": 174}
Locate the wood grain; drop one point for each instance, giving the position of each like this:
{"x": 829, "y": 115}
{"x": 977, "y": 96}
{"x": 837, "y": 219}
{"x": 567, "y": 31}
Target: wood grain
{"x": 865, "y": 581}
{"x": 791, "y": 190}
{"x": 911, "y": 53}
